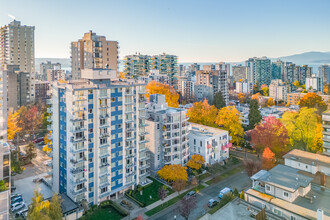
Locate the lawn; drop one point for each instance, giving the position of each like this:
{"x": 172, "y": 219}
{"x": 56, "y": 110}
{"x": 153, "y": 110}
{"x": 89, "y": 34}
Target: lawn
{"x": 149, "y": 190}
{"x": 103, "y": 214}
{"x": 224, "y": 176}
{"x": 170, "y": 202}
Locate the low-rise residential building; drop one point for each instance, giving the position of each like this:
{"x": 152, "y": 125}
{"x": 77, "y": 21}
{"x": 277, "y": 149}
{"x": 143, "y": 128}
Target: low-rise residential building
{"x": 288, "y": 194}
{"x": 278, "y": 90}
{"x": 293, "y": 98}
{"x": 307, "y": 161}
{"x": 211, "y": 143}
{"x": 167, "y": 132}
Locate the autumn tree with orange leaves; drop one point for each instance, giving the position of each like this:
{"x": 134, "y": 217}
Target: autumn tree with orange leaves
{"x": 270, "y": 133}
{"x": 196, "y": 162}
{"x": 12, "y": 125}
{"x": 268, "y": 159}
{"x": 270, "y": 102}
{"x": 313, "y": 100}
{"x": 241, "y": 97}
{"x": 203, "y": 113}
{"x": 173, "y": 172}
{"x": 171, "y": 96}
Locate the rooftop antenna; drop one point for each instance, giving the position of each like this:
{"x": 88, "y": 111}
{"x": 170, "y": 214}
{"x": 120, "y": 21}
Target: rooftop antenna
{"x": 12, "y": 16}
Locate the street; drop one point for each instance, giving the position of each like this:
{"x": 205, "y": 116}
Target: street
{"x": 238, "y": 180}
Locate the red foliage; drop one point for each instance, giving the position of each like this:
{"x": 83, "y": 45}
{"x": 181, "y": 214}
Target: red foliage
{"x": 270, "y": 133}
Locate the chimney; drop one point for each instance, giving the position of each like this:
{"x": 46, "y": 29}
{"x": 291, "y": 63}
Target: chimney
{"x": 320, "y": 214}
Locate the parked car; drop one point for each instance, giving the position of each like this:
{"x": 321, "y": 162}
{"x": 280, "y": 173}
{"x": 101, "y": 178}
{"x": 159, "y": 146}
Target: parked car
{"x": 15, "y": 195}
{"x": 191, "y": 193}
{"x": 224, "y": 191}
{"x": 21, "y": 212}
{"x": 239, "y": 149}
{"x": 38, "y": 140}
{"x": 212, "y": 203}
{"x": 17, "y": 199}
{"x": 13, "y": 188}
{"x": 17, "y": 206}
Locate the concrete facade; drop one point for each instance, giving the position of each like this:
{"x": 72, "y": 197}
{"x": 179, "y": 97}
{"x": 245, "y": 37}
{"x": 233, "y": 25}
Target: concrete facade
{"x": 278, "y": 90}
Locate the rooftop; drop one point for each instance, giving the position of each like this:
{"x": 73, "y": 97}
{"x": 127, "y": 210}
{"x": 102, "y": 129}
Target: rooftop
{"x": 206, "y": 131}
{"x": 67, "y": 205}
{"x": 308, "y": 158}
{"x": 283, "y": 177}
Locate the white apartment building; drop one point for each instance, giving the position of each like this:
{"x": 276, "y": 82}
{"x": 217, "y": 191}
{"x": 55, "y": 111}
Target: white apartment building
{"x": 278, "y": 90}
{"x": 167, "y": 133}
{"x": 99, "y": 142}
{"x": 211, "y": 143}
{"x": 315, "y": 83}
{"x": 243, "y": 87}
{"x": 17, "y": 48}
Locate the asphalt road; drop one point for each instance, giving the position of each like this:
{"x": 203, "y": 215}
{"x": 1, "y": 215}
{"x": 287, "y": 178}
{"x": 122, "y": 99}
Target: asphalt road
{"x": 238, "y": 180}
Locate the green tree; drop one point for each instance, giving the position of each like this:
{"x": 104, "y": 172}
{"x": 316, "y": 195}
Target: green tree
{"x": 219, "y": 100}
{"x": 241, "y": 196}
{"x": 55, "y": 210}
{"x": 31, "y": 151}
{"x": 2, "y": 186}
{"x": 254, "y": 114}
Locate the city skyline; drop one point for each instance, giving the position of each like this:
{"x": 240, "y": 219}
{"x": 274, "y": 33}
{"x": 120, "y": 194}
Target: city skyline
{"x": 194, "y": 31}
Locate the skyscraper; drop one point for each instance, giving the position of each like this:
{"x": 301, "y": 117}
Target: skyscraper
{"x": 262, "y": 71}
{"x": 93, "y": 51}
{"x": 99, "y": 142}
{"x": 239, "y": 72}
{"x": 17, "y": 48}
{"x": 324, "y": 72}
{"x": 44, "y": 67}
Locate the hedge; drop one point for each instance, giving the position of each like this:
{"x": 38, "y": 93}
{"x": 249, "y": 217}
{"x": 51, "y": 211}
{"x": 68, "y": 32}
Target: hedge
{"x": 115, "y": 206}
{"x": 135, "y": 200}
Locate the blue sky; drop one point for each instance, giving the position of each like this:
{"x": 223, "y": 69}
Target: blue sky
{"x": 195, "y": 30}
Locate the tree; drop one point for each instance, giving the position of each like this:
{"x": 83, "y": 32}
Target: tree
{"x": 241, "y": 98}
{"x": 173, "y": 172}
{"x": 219, "y": 101}
{"x": 241, "y": 195}
{"x": 256, "y": 87}
{"x": 203, "y": 113}
{"x": 179, "y": 185}
{"x": 29, "y": 119}
{"x": 312, "y": 100}
{"x": 251, "y": 166}
{"x": 265, "y": 90}
{"x": 43, "y": 209}
{"x": 171, "y": 96}
{"x": 256, "y": 96}
{"x": 317, "y": 145}
{"x": 229, "y": 119}
{"x": 194, "y": 181}
{"x": 326, "y": 88}
{"x": 48, "y": 143}
{"x": 270, "y": 102}
{"x": 196, "y": 162}
{"x": 268, "y": 159}
{"x": 270, "y": 133}
{"x": 254, "y": 114}
{"x": 187, "y": 205}
{"x": 31, "y": 151}
{"x": 55, "y": 210}
{"x": 2, "y": 186}
{"x": 162, "y": 193}
{"x": 302, "y": 127}
{"x": 121, "y": 75}
{"x": 296, "y": 83}
{"x": 12, "y": 125}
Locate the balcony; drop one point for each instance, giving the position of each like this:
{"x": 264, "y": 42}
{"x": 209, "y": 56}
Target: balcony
{"x": 143, "y": 149}
{"x": 104, "y": 184}
{"x": 77, "y": 150}
{"x": 105, "y": 125}
{"x": 78, "y": 139}
{"x": 143, "y": 125}
{"x": 143, "y": 141}
{"x": 130, "y": 138}
{"x": 77, "y": 170}
{"x": 104, "y": 154}
{"x": 104, "y": 106}
{"x": 130, "y": 155}
{"x": 104, "y": 116}
{"x": 78, "y": 191}
{"x": 129, "y": 165}
{"x": 104, "y": 135}
{"x": 77, "y": 160}
{"x": 144, "y": 166}
{"x": 104, "y": 165}
{"x": 142, "y": 100}
{"x": 144, "y": 174}
{"x": 131, "y": 129}
{"x": 49, "y": 110}
{"x": 49, "y": 119}
{"x": 49, "y": 102}
{"x": 76, "y": 129}
{"x": 77, "y": 181}
{"x": 130, "y": 173}
{"x": 77, "y": 119}
{"x": 50, "y": 127}
{"x": 145, "y": 157}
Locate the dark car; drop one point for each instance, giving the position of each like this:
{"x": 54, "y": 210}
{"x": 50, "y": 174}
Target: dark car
{"x": 38, "y": 140}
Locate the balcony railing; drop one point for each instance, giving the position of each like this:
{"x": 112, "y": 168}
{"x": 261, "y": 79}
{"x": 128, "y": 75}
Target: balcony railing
{"x": 77, "y": 192}
{"x": 78, "y": 170}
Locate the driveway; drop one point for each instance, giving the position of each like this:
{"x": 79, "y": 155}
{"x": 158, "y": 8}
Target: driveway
{"x": 238, "y": 180}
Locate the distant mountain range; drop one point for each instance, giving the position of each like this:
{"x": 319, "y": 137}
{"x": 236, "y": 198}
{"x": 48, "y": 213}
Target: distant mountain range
{"x": 313, "y": 59}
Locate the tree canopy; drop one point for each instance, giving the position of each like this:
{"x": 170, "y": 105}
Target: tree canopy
{"x": 203, "y": 113}
{"x": 219, "y": 101}
{"x": 313, "y": 100}
{"x": 196, "y": 162}
{"x": 229, "y": 119}
{"x": 171, "y": 96}
{"x": 173, "y": 172}
{"x": 254, "y": 114}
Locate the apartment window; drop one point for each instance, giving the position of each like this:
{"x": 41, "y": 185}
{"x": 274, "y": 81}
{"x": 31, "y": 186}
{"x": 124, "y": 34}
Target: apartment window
{"x": 194, "y": 141}
{"x": 267, "y": 188}
{"x": 286, "y": 194}
{"x": 293, "y": 218}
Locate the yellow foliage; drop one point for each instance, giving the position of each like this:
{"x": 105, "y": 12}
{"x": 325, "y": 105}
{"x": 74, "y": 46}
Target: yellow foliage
{"x": 171, "y": 96}
{"x": 202, "y": 113}
{"x": 12, "y": 125}
{"x": 229, "y": 119}
{"x": 47, "y": 148}
{"x": 241, "y": 97}
{"x": 196, "y": 161}
{"x": 173, "y": 172}
{"x": 270, "y": 102}
{"x": 256, "y": 96}
{"x": 317, "y": 145}
{"x": 121, "y": 75}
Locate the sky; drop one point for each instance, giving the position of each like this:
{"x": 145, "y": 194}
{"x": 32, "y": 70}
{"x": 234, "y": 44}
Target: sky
{"x": 194, "y": 30}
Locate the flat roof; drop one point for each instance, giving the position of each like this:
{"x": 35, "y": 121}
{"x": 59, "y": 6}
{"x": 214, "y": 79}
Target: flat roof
{"x": 308, "y": 158}
{"x": 283, "y": 177}
{"x": 206, "y": 131}
{"x": 301, "y": 206}
{"x": 67, "y": 204}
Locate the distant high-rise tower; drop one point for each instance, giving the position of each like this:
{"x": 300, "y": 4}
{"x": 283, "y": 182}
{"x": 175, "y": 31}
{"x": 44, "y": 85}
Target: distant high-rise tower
{"x": 262, "y": 71}
{"x": 324, "y": 72}
{"x": 93, "y": 51}
{"x": 17, "y": 48}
